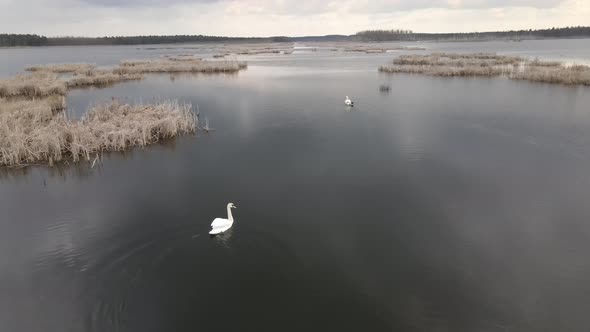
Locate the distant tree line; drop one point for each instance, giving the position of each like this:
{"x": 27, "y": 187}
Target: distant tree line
{"x": 385, "y": 35}
{"x": 11, "y": 40}
{"x": 407, "y": 35}
{"x": 142, "y": 40}
{"x": 7, "y": 40}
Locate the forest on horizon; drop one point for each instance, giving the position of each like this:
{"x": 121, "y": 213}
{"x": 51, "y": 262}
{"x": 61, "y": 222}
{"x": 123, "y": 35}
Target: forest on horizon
{"x": 19, "y": 40}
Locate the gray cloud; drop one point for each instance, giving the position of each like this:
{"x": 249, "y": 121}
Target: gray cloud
{"x": 308, "y": 7}
{"x": 145, "y": 3}
{"x": 281, "y": 17}
{"x": 321, "y": 6}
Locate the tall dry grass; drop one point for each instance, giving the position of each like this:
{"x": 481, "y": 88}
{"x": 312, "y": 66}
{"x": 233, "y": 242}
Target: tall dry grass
{"x": 62, "y": 68}
{"x": 43, "y": 106}
{"x": 134, "y": 62}
{"x": 99, "y": 78}
{"x": 256, "y": 52}
{"x": 187, "y": 66}
{"x": 182, "y": 57}
{"x": 364, "y": 48}
{"x": 44, "y": 81}
{"x": 256, "y": 49}
{"x": 450, "y": 71}
{"x": 30, "y": 132}
{"x": 486, "y": 64}
{"x": 35, "y": 129}
{"x": 448, "y": 65}
{"x": 33, "y": 85}
{"x": 538, "y": 63}
{"x": 458, "y": 60}
{"x": 573, "y": 75}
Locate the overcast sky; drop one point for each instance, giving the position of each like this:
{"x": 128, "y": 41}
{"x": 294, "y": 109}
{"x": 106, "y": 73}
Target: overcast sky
{"x": 282, "y": 17}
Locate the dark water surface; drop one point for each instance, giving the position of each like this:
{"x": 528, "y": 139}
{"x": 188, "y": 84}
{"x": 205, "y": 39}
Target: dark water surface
{"x": 444, "y": 205}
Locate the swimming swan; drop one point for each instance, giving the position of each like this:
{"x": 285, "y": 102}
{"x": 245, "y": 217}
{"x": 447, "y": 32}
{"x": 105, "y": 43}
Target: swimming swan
{"x": 348, "y": 102}
{"x": 220, "y": 225}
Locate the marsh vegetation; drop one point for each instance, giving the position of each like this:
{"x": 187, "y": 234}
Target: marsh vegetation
{"x": 62, "y": 67}
{"x": 571, "y": 75}
{"x": 490, "y": 65}
{"x": 56, "y": 79}
{"x": 256, "y": 49}
{"x": 100, "y": 78}
{"x": 365, "y": 48}
{"x": 34, "y": 85}
{"x": 34, "y": 131}
{"x": 34, "y": 127}
{"x": 178, "y": 65}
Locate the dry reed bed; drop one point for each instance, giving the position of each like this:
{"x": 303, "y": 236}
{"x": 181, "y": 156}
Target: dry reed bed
{"x": 43, "y": 105}
{"x": 33, "y": 85}
{"x": 370, "y": 50}
{"x": 44, "y": 81}
{"x": 182, "y": 57}
{"x": 256, "y": 49}
{"x": 408, "y": 48}
{"x": 484, "y": 64}
{"x": 62, "y": 68}
{"x": 34, "y": 128}
{"x": 457, "y": 60}
{"x": 444, "y": 71}
{"x": 31, "y": 132}
{"x": 539, "y": 63}
{"x": 366, "y": 50}
{"x": 573, "y": 75}
{"x": 186, "y": 66}
{"x": 100, "y": 78}
{"x": 43, "y": 84}
{"x": 256, "y": 52}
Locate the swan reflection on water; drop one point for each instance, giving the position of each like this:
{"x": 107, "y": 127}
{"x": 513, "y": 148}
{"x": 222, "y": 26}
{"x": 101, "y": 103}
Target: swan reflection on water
{"x": 223, "y": 238}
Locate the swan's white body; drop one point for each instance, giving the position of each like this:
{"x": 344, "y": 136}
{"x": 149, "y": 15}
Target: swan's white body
{"x": 348, "y": 102}
{"x": 220, "y": 225}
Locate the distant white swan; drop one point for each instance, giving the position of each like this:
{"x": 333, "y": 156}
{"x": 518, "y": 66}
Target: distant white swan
{"x": 348, "y": 102}
{"x": 220, "y": 225}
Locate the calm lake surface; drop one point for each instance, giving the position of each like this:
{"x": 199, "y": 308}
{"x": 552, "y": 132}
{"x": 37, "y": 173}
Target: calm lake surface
{"x": 443, "y": 205}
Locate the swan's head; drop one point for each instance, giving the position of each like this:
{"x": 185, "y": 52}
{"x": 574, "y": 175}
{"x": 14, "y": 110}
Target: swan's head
{"x": 347, "y": 97}
{"x": 231, "y": 205}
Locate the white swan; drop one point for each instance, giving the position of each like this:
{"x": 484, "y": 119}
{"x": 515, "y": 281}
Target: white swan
{"x": 348, "y": 102}
{"x": 220, "y": 225}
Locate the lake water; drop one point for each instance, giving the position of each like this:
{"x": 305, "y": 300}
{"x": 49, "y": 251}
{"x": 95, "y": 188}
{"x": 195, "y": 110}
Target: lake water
{"x": 443, "y": 205}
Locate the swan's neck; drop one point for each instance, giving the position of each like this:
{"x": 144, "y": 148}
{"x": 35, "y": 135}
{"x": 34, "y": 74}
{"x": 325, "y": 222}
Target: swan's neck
{"x": 229, "y": 216}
